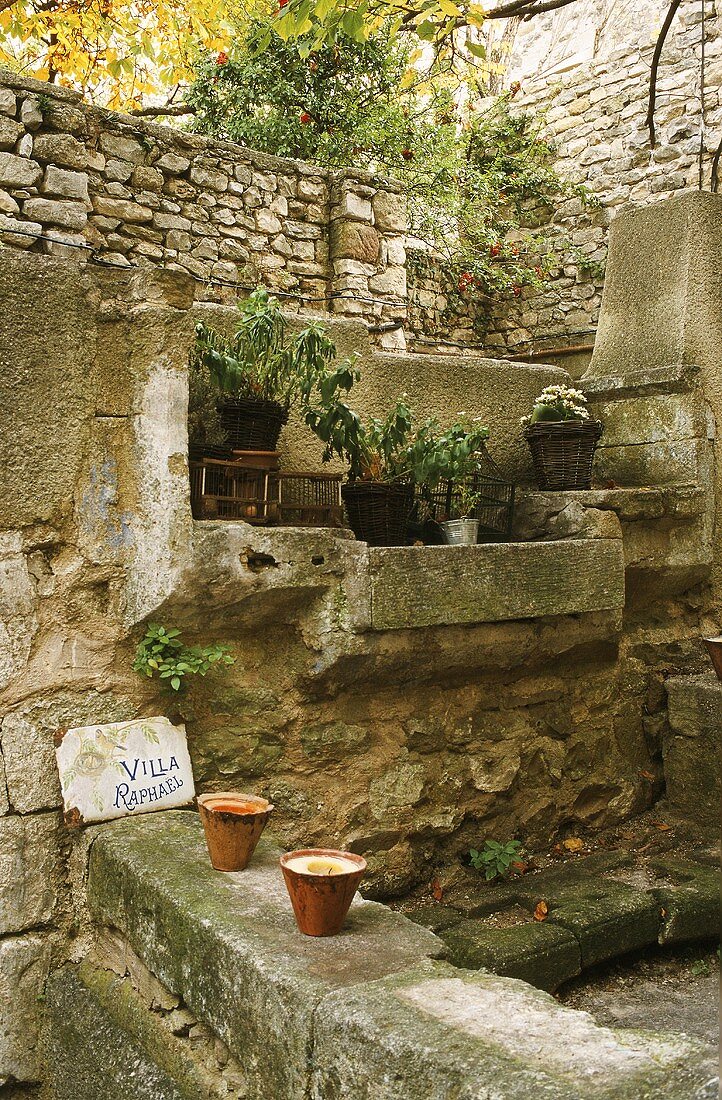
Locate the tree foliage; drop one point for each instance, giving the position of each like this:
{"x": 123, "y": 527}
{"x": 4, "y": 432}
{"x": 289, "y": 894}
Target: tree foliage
{"x": 119, "y": 54}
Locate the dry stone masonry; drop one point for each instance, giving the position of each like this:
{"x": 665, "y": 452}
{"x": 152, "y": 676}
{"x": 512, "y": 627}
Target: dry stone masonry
{"x": 136, "y": 194}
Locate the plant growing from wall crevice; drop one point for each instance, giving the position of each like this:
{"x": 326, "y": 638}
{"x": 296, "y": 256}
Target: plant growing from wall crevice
{"x": 161, "y": 653}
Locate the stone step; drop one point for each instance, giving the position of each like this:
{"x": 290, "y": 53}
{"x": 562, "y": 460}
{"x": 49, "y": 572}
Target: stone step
{"x": 372, "y": 1012}
{"x": 598, "y": 909}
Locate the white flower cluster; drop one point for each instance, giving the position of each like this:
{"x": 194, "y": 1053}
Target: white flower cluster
{"x": 569, "y": 402}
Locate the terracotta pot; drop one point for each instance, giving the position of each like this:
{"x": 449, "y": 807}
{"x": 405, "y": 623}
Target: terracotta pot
{"x": 233, "y": 824}
{"x": 321, "y": 900}
{"x": 714, "y": 648}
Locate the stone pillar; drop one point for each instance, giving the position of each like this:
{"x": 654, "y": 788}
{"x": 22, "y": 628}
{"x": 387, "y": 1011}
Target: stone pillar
{"x": 662, "y": 307}
{"x": 367, "y": 252}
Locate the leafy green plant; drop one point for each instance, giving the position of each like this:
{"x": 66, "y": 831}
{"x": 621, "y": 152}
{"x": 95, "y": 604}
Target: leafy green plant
{"x": 495, "y": 860}
{"x": 162, "y": 653}
{"x": 262, "y": 360}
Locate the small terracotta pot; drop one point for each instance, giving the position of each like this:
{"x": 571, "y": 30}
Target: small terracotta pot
{"x": 321, "y": 901}
{"x": 233, "y": 824}
{"x": 714, "y": 648}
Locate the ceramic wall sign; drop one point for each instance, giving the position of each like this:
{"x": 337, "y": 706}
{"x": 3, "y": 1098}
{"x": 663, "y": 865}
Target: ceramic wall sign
{"x": 123, "y": 768}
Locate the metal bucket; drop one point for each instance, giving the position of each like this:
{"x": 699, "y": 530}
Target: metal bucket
{"x": 460, "y": 532}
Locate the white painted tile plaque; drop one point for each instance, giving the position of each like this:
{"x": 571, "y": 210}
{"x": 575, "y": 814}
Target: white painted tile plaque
{"x": 123, "y": 768}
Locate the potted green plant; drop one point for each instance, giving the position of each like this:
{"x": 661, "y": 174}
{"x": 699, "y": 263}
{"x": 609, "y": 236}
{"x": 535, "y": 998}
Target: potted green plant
{"x": 261, "y": 371}
{"x": 450, "y": 458}
{"x": 562, "y": 438}
{"x": 379, "y": 493}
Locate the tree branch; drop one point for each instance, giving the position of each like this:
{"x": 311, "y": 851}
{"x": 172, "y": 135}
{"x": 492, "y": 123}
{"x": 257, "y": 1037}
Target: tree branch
{"x": 715, "y": 169}
{"x": 649, "y": 121}
{"x": 526, "y": 9}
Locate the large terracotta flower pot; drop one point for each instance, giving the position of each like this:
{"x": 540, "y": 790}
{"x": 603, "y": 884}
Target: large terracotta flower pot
{"x": 714, "y": 648}
{"x": 321, "y": 883}
{"x": 233, "y": 824}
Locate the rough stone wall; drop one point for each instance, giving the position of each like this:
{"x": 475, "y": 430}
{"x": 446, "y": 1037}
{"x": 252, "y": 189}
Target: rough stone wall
{"x": 141, "y": 194}
{"x": 586, "y": 69}
{"x": 409, "y": 744}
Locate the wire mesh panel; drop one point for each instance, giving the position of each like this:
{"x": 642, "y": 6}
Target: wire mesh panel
{"x": 494, "y": 506}
{"x": 310, "y": 500}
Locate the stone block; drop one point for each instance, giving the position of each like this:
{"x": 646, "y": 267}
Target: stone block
{"x": 69, "y": 215}
{"x": 147, "y": 179}
{"x": 67, "y": 185}
{"x": 544, "y": 955}
{"x": 30, "y": 870}
{"x": 8, "y": 104}
{"x": 689, "y": 901}
{"x": 62, "y": 149}
{"x": 662, "y": 289}
{"x": 354, "y": 241}
{"x": 104, "y": 1041}
{"x": 24, "y": 964}
{"x": 209, "y": 179}
{"x": 691, "y": 747}
{"x": 436, "y": 1032}
{"x": 243, "y": 969}
{"x": 18, "y": 172}
{"x": 10, "y": 131}
{"x": 390, "y": 214}
{"x": 414, "y": 587}
{"x": 123, "y": 148}
{"x": 125, "y": 209}
{"x": 8, "y": 205}
{"x": 607, "y": 919}
{"x": 173, "y": 164}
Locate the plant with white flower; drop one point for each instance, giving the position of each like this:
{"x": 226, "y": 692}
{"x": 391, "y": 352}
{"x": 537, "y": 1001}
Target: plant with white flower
{"x": 557, "y": 403}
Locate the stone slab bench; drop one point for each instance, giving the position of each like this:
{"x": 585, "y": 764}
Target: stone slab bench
{"x": 372, "y": 1012}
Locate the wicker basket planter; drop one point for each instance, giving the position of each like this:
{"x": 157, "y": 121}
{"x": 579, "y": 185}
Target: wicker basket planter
{"x": 251, "y": 424}
{"x": 563, "y": 451}
{"x": 378, "y": 511}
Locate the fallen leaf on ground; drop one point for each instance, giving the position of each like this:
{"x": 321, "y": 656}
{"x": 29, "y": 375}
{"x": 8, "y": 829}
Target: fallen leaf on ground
{"x": 519, "y": 867}
{"x": 573, "y": 844}
{"x": 662, "y": 825}
{"x": 437, "y": 890}
{"x": 648, "y": 775}
{"x": 542, "y": 911}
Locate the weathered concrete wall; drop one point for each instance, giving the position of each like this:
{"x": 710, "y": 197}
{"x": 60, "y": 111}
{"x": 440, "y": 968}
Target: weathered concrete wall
{"x": 585, "y": 70}
{"x": 662, "y": 308}
{"x": 142, "y": 194}
{"x": 406, "y": 727}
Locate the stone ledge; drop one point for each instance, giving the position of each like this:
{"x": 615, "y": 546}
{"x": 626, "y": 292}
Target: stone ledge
{"x": 676, "y": 378}
{"x": 429, "y": 586}
{"x": 366, "y": 1013}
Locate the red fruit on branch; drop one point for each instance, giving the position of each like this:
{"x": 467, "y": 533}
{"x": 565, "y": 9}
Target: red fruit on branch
{"x": 407, "y": 154}
{"x": 305, "y": 118}
{"x": 515, "y": 88}
{"x": 495, "y": 249}
{"x": 222, "y": 58}
{"x": 282, "y": 4}
{"x": 517, "y": 291}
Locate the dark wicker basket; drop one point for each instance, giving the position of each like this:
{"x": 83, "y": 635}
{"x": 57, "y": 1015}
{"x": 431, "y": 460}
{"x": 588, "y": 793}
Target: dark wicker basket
{"x": 563, "y": 451}
{"x": 251, "y": 424}
{"x": 378, "y": 511}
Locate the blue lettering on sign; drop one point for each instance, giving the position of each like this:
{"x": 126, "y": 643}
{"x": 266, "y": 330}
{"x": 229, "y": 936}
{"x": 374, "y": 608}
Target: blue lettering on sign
{"x": 129, "y": 798}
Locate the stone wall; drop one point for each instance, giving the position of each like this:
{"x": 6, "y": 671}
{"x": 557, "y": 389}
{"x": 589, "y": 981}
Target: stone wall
{"x": 140, "y": 194}
{"x": 408, "y": 707}
{"x": 586, "y": 70}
